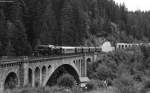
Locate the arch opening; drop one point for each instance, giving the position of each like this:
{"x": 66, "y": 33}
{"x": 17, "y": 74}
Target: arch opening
{"x": 11, "y": 81}
{"x": 63, "y": 69}
{"x": 49, "y": 66}
{"x": 43, "y": 73}
{"x": 37, "y": 77}
{"x": 30, "y": 76}
{"x": 88, "y": 60}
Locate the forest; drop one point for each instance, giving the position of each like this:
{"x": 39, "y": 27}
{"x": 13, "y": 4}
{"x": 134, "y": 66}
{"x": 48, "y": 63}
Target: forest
{"x": 24, "y": 24}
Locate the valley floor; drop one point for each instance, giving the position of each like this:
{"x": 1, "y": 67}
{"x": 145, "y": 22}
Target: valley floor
{"x": 59, "y": 90}
{"x": 108, "y": 90}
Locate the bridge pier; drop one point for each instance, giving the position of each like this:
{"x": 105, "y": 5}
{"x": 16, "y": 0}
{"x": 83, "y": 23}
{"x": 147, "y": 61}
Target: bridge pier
{"x": 26, "y": 80}
{"x": 85, "y": 69}
{"x": 21, "y": 75}
{"x": 40, "y": 77}
{"x": 1, "y": 81}
{"x": 1, "y": 90}
{"x": 1, "y": 87}
{"x": 33, "y": 79}
{"x": 80, "y": 68}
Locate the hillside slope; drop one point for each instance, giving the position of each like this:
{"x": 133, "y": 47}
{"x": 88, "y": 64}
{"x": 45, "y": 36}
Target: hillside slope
{"x": 25, "y": 24}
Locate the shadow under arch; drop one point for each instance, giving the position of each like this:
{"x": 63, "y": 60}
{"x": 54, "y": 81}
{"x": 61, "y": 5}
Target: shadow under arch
{"x": 11, "y": 81}
{"x": 65, "y": 68}
{"x": 37, "y": 76}
{"x": 43, "y": 73}
{"x": 30, "y": 72}
{"x": 88, "y": 60}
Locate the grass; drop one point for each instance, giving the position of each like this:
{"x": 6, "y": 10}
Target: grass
{"x": 57, "y": 89}
{"x": 105, "y": 90}
{"x": 64, "y": 90}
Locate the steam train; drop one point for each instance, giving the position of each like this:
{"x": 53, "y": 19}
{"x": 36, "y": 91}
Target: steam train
{"x": 48, "y": 50}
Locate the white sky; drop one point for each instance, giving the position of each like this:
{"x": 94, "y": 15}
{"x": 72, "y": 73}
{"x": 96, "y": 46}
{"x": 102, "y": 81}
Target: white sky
{"x": 133, "y": 5}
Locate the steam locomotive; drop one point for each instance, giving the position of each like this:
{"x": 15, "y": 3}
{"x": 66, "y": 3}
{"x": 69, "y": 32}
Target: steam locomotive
{"x": 48, "y": 50}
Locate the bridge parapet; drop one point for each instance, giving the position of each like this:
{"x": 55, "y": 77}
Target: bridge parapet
{"x": 24, "y": 59}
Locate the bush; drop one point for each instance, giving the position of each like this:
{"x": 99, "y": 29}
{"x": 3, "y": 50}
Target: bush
{"x": 125, "y": 84}
{"x": 128, "y": 89}
{"x": 54, "y": 89}
{"x": 66, "y": 80}
{"x": 103, "y": 72}
{"x": 91, "y": 85}
{"x": 124, "y": 80}
{"x": 76, "y": 90}
{"x": 147, "y": 84}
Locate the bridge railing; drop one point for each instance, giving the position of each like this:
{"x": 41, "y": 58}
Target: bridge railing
{"x": 11, "y": 59}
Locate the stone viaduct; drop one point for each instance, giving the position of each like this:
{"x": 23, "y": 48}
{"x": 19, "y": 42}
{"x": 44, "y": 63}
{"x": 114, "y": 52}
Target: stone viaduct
{"x": 44, "y": 71}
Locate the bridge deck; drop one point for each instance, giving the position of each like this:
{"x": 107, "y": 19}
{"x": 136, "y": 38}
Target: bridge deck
{"x": 26, "y": 59}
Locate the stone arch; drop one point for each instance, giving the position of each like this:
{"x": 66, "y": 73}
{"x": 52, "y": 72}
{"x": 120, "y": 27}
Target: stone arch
{"x": 74, "y": 61}
{"x": 79, "y": 60}
{"x": 65, "y": 68}
{"x": 37, "y": 76}
{"x": 88, "y": 60}
{"x": 30, "y": 73}
{"x": 49, "y": 66}
{"x": 11, "y": 81}
{"x": 43, "y": 73}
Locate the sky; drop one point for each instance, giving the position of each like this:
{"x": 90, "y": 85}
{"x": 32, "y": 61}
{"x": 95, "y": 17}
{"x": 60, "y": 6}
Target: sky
{"x": 133, "y": 5}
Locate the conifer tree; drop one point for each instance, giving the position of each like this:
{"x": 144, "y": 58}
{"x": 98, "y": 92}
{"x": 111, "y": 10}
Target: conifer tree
{"x": 19, "y": 38}
{"x": 3, "y": 34}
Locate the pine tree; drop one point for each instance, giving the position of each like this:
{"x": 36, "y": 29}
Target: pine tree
{"x": 20, "y": 43}
{"x": 18, "y": 40}
{"x": 68, "y": 34}
{"x": 3, "y": 34}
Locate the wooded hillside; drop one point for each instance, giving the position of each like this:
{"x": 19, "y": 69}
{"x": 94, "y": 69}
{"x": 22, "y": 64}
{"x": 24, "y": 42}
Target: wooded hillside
{"x": 27, "y": 23}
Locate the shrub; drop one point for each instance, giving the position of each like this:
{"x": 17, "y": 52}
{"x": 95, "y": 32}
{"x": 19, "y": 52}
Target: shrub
{"x": 66, "y": 80}
{"x": 128, "y": 89}
{"x": 92, "y": 85}
{"x": 125, "y": 84}
{"x": 91, "y": 69}
{"x": 103, "y": 72}
{"x": 124, "y": 80}
{"x": 147, "y": 84}
{"x": 76, "y": 90}
{"x": 137, "y": 78}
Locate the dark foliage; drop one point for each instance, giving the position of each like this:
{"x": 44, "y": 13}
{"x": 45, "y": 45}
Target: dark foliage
{"x": 128, "y": 71}
{"x": 66, "y": 80}
{"x": 25, "y": 24}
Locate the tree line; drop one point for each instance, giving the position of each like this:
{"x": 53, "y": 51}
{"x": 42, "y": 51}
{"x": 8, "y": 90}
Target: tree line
{"x": 25, "y": 24}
